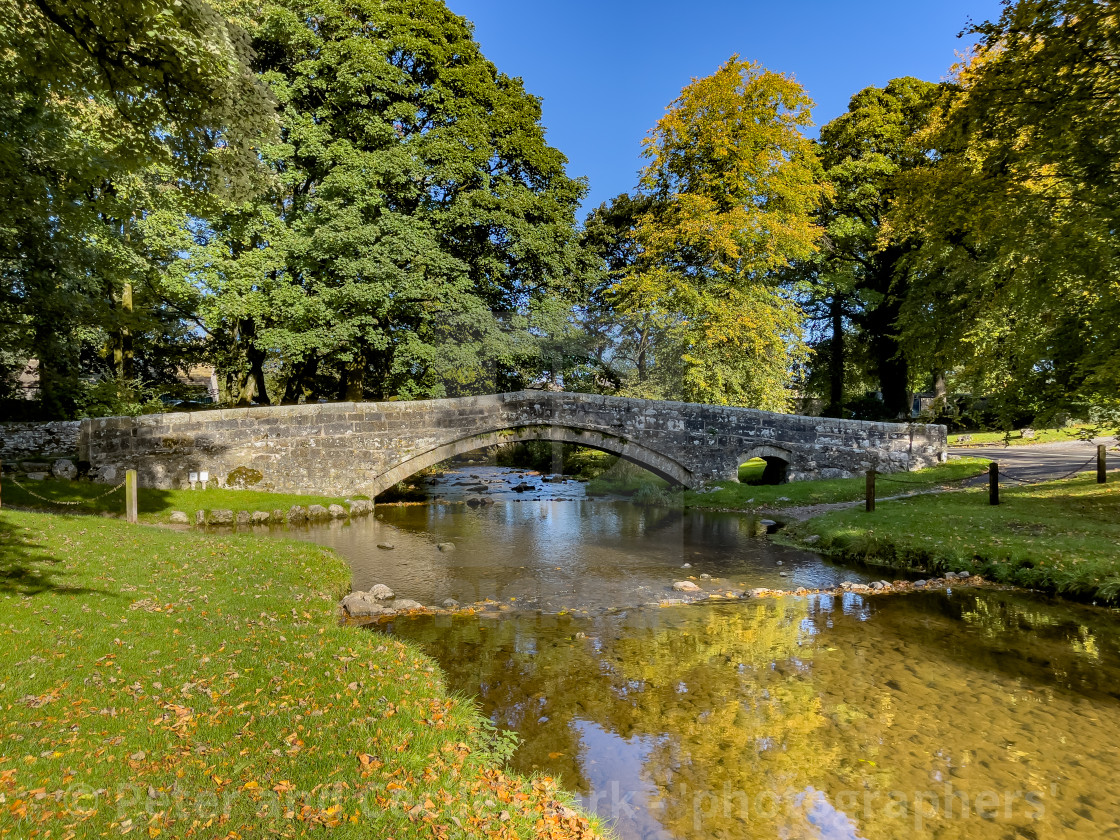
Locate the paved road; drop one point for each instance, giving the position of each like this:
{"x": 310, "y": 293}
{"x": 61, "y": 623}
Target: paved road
{"x": 1045, "y": 460}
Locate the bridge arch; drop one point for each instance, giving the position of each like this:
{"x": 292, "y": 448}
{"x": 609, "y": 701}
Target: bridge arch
{"x": 777, "y": 460}
{"x": 655, "y": 462}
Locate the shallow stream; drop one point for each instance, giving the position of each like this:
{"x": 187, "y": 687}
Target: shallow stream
{"x": 950, "y": 714}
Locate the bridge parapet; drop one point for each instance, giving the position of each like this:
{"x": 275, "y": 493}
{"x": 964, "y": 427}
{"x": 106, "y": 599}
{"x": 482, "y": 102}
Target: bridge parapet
{"x": 344, "y": 448}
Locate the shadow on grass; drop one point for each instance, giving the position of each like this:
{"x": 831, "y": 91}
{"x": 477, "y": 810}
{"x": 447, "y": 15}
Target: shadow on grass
{"x": 55, "y": 496}
{"x": 26, "y": 569}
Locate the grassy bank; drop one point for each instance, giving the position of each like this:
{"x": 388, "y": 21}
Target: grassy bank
{"x": 154, "y": 505}
{"x": 732, "y": 496}
{"x": 167, "y": 684}
{"x": 1061, "y": 537}
{"x": 1015, "y": 438}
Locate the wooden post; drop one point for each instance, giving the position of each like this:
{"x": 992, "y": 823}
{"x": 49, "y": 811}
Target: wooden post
{"x": 871, "y": 491}
{"x": 1102, "y": 466}
{"x": 130, "y": 496}
{"x": 993, "y": 483}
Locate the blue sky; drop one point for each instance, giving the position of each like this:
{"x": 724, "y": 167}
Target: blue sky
{"x": 606, "y": 70}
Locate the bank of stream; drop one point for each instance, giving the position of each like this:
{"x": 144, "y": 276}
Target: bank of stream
{"x": 958, "y": 713}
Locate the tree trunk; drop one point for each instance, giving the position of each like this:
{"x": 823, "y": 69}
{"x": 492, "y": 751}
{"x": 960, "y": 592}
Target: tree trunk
{"x": 301, "y": 372}
{"x": 246, "y": 387}
{"x": 354, "y": 380}
{"x": 835, "y": 406}
{"x": 256, "y": 368}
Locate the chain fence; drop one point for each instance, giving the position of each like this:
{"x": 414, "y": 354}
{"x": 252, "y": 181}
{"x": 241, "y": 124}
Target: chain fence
{"x": 1027, "y": 481}
{"x": 96, "y": 498}
{"x": 927, "y": 483}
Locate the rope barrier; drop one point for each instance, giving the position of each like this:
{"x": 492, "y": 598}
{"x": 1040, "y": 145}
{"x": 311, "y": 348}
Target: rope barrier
{"x": 941, "y": 483}
{"x": 1075, "y": 471}
{"x": 60, "y": 502}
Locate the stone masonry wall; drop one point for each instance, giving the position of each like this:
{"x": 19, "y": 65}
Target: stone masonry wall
{"x": 345, "y": 448}
{"x": 38, "y": 441}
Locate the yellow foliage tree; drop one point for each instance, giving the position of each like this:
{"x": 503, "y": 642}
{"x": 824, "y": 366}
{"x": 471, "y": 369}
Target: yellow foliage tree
{"x": 735, "y": 185}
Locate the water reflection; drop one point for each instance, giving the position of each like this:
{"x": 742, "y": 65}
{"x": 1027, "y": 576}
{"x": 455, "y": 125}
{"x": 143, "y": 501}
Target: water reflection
{"x": 562, "y": 553}
{"x": 968, "y": 714}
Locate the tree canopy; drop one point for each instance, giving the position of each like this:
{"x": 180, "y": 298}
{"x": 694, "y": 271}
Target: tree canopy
{"x": 727, "y": 200}
{"x": 344, "y": 199}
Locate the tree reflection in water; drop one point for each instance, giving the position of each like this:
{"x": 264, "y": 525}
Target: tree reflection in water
{"x": 809, "y": 718}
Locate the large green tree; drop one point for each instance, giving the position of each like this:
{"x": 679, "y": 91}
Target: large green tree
{"x": 110, "y": 113}
{"x": 860, "y": 279}
{"x": 425, "y": 225}
{"x": 1020, "y": 287}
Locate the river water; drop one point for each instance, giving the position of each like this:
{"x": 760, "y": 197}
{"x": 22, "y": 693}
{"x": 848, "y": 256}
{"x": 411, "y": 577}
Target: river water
{"x": 950, "y": 714}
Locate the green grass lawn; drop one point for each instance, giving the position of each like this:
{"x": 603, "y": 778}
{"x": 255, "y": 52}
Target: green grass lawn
{"x": 154, "y": 505}
{"x": 732, "y": 496}
{"x": 1015, "y": 438}
{"x": 156, "y": 683}
{"x": 1061, "y": 537}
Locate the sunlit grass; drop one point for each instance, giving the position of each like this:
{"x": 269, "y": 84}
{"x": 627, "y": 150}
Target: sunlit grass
{"x": 1061, "y": 536}
{"x": 1015, "y": 437}
{"x": 733, "y": 496}
{"x": 159, "y": 683}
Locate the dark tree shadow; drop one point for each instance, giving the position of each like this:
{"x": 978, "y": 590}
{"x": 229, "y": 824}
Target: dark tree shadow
{"x": 27, "y": 569}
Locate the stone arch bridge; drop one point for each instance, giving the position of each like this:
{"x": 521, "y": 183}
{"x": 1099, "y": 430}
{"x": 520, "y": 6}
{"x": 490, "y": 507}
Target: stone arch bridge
{"x": 352, "y": 448}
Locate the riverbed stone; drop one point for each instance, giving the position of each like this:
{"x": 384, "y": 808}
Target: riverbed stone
{"x": 360, "y": 507}
{"x": 220, "y": 516}
{"x": 259, "y": 517}
{"x": 64, "y": 468}
{"x": 317, "y": 513}
{"x": 297, "y": 514}
{"x": 362, "y": 605}
{"x": 446, "y": 546}
{"x": 179, "y": 518}
{"x": 404, "y": 604}
{"x": 381, "y": 592}
{"x": 450, "y": 604}
{"x": 244, "y": 517}
{"x": 337, "y": 512}
{"x": 685, "y": 586}
{"x": 277, "y": 517}
{"x": 386, "y": 546}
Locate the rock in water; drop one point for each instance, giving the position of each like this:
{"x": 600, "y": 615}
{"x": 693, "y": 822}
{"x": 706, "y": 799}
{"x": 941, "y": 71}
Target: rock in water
{"x": 386, "y": 546}
{"x": 403, "y": 604}
{"x": 362, "y": 605}
{"x": 380, "y": 592}
{"x": 317, "y": 512}
{"x": 685, "y": 586}
{"x": 220, "y": 516}
{"x": 446, "y": 546}
{"x": 337, "y": 512}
